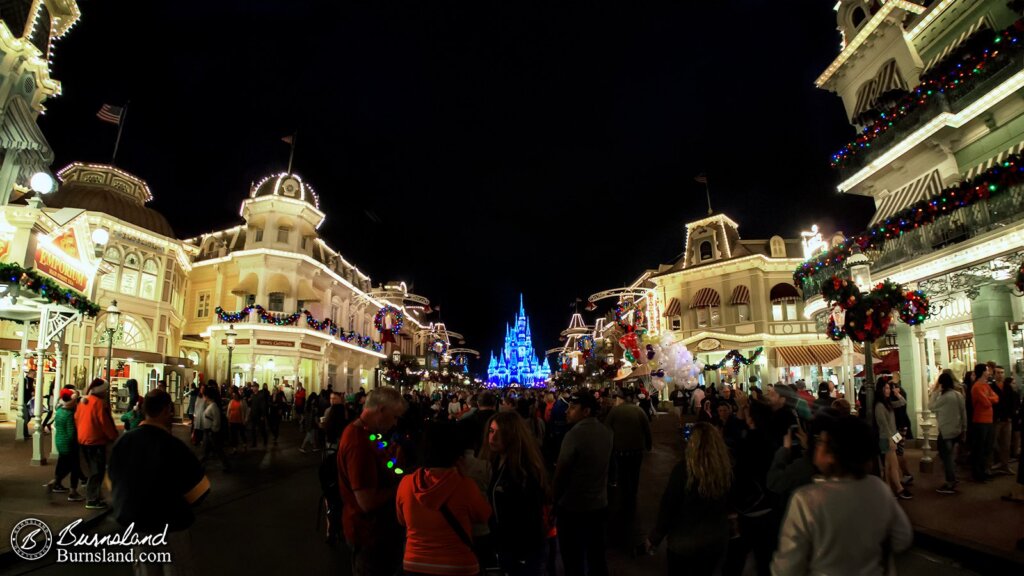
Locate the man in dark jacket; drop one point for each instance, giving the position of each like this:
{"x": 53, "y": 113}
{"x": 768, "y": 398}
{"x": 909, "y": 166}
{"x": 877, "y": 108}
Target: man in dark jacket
{"x": 472, "y": 427}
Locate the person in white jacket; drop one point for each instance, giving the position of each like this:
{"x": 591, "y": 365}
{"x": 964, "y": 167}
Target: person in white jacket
{"x": 951, "y": 413}
{"x": 816, "y": 534}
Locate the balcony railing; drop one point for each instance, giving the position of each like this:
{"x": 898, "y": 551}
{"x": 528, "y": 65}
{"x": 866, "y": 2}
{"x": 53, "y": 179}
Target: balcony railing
{"x": 970, "y": 90}
{"x": 962, "y": 224}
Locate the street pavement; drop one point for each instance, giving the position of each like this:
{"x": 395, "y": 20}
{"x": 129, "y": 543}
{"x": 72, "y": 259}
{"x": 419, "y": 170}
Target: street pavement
{"x": 263, "y": 519}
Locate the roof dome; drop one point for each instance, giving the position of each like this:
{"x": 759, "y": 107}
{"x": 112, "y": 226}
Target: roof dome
{"x": 111, "y": 191}
{"x": 287, "y": 185}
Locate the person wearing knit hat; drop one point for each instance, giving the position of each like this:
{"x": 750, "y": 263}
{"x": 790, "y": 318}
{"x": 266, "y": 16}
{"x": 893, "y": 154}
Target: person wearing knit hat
{"x": 66, "y": 439}
{"x": 95, "y": 429}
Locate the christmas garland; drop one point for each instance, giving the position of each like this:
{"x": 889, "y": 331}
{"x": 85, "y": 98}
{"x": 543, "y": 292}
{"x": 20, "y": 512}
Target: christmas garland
{"x": 915, "y": 308}
{"x": 397, "y": 320}
{"x": 326, "y": 325}
{"x": 737, "y": 359}
{"x": 439, "y": 346}
{"x": 623, "y": 310}
{"x": 992, "y": 182}
{"x": 460, "y": 360}
{"x": 48, "y": 289}
{"x": 972, "y": 59}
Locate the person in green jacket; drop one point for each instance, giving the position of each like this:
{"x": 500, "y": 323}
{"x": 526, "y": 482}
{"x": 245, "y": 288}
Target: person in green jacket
{"x": 133, "y": 417}
{"x": 67, "y": 447}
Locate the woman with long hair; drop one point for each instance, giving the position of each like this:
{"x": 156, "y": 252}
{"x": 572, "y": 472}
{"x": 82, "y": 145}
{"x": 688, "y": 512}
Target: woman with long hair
{"x": 951, "y": 414}
{"x": 885, "y": 420}
{"x": 518, "y": 493}
{"x": 694, "y": 512}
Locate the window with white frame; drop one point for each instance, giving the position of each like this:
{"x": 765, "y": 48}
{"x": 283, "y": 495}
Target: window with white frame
{"x": 147, "y": 288}
{"x": 130, "y": 275}
{"x": 203, "y": 304}
{"x": 112, "y": 257}
{"x": 783, "y": 310}
{"x": 742, "y": 312}
{"x": 702, "y": 317}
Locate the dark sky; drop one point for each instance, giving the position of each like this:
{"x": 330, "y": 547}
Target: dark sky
{"x": 543, "y": 147}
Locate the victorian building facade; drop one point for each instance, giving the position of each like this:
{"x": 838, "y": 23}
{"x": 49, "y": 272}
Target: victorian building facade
{"x": 935, "y": 90}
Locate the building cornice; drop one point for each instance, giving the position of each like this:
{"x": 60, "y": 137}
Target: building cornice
{"x": 756, "y": 261}
{"x": 292, "y": 330}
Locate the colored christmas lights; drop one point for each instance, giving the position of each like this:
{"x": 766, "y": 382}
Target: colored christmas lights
{"x": 737, "y": 359}
{"x": 975, "y": 58}
{"x": 586, "y": 345}
{"x": 866, "y": 317}
{"x": 48, "y": 289}
{"x": 993, "y": 182}
{"x": 915, "y": 308}
{"x": 326, "y": 325}
{"x": 622, "y": 312}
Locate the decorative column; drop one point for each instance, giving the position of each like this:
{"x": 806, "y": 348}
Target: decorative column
{"x": 925, "y": 425}
{"x": 57, "y": 385}
{"x": 38, "y": 458}
{"x": 851, "y": 392}
{"x": 19, "y": 391}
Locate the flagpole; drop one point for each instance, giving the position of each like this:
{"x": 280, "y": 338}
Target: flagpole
{"x": 291, "y": 154}
{"x": 707, "y": 191}
{"x": 120, "y": 128}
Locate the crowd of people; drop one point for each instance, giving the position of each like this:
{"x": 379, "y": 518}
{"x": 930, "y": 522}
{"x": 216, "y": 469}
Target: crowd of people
{"x": 510, "y": 482}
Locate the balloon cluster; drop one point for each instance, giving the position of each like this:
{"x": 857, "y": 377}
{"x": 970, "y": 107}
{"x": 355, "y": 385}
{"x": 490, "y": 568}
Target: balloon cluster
{"x": 672, "y": 362}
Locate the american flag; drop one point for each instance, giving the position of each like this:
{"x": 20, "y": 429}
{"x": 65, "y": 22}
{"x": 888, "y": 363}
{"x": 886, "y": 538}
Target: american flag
{"x": 111, "y": 114}
{"x": 701, "y": 178}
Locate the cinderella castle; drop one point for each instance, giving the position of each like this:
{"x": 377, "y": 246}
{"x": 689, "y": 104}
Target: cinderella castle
{"x": 517, "y": 364}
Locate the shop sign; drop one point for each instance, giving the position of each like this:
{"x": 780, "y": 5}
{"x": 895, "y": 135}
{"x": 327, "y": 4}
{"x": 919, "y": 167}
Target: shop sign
{"x": 61, "y": 260}
{"x": 280, "y": 343}
{"x": 708, "y": 344}
{"x": 238, "y": 341}
{"x": 124, "y": 236}
{"x": 313, "y": 347}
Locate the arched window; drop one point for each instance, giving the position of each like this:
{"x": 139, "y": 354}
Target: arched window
{"x": 130, "y": 275}
{"x": 131, "y": 336}
{"x": 778, "y": 247}
{"x": 149, "y": 274}
{"x": 112, "y": 257}
{"x": 706, "y": 253}
{"x": 858, "y": 16}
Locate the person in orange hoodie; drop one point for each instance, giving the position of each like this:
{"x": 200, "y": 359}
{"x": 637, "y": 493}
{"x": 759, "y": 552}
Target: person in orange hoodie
{"x": 982, "y": 435}
{"x": 95, "y": 427}
{"x": 437, "y": 505}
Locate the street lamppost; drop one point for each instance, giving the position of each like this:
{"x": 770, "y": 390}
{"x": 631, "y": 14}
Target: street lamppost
{"x": 230, "y": 334}
{"x": 113, "y": 321}
{"x": 860, "y": 274}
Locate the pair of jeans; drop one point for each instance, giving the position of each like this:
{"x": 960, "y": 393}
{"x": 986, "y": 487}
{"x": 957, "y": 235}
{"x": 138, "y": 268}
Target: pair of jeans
{"x": 581, "y": 537}
{"x": 96, "y": 462}
{"x": 69, "y": 463}
{"x": 946, "y": 453}
{"x": 1001, "y": 456}
{"x": 982, "y": 436}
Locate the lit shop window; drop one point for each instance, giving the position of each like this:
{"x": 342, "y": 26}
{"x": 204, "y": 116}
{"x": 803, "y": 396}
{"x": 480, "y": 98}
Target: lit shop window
{"x": 130, "y": 275}
{"x": 149, "y": 273}
{"x": 112, "y": 257}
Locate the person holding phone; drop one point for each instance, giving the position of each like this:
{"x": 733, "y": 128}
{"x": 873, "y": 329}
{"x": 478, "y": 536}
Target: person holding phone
{"x": 889, "y": 437}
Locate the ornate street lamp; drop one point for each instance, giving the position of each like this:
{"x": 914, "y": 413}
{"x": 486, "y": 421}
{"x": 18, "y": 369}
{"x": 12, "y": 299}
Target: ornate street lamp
{"x": 230, "y": 334}
{"x": 860, "y": 273}
{"x": 113, "y": 322}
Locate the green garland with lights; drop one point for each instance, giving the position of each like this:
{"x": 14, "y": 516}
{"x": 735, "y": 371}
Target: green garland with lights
{"x": 992, "y": 183}
{"x": 46, "y": 288}
{"x": 973, "y": 59}
{"x": 325, "y": 325}
{"x": 736, "y": 358}
{"x": 866, "y": 317}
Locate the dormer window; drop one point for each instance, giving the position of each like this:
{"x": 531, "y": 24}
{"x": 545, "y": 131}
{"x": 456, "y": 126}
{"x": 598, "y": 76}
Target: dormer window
{"x": 706, "y": 252}
{"x": 282, "y": 234}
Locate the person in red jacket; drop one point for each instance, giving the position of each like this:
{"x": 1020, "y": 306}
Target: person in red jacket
{"x": 437, "y": 505}
{"x": 95, "y": 427}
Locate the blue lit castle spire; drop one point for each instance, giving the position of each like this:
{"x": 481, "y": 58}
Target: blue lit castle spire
{"x": 517, "y": 363}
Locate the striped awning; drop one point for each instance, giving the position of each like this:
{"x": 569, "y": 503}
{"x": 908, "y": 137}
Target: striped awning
{"x": 979, "y": 25}
{"x": 19, "y": 130}
{"x": 921, "y": 189}
{"x": 673, "y": 308}
{"x": 795, "y": 356}
{"x": 783, "y": 292}
{"x": 740, "y": 295}
{"x": 888, "y": 78}
{"x": 705, "y": 297}
{"x": 1015, "y": 149}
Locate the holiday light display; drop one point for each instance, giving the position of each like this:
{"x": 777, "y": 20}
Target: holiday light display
{"x": 48, "y": 289}
{"x": 388, "y": 322}
{"x": 326, "y": 325}
{"x": 867, "y": 317}
{"x": 737, "y": 359}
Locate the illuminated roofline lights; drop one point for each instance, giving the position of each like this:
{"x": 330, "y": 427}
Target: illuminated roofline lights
{"x": 766, "y": 338}
{"x": 303, "y": 187}
{"x": 865, "y": 32}
{"x": 295, "y": 330}
{"x": 109, "y": 168}
{"x": 943, "y": 120}
{"x": 928, "y": 19}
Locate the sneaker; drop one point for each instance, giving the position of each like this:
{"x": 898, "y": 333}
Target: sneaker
{"x": 905, "y": 495}
{"x": 908, "y": 479}
{"x": 95, "y": 505}
{"x": 59, "y": 489}
{"x": 74, "y": 496}
{"x": 946, "y": 489}
{"x": 303, "y": 450}
{"x": 1003, "y": 472}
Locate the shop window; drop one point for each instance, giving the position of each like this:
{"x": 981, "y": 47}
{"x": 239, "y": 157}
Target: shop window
{"x": 282, "y": 234}
{"x": 276, "y": 303}
{"x": 742, "y": 312}
{"x": 147, "y": 288}
{"x": 203, "y": 304}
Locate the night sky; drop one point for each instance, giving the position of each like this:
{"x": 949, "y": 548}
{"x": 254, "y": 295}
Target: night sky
{"x": 473, "y": 149}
